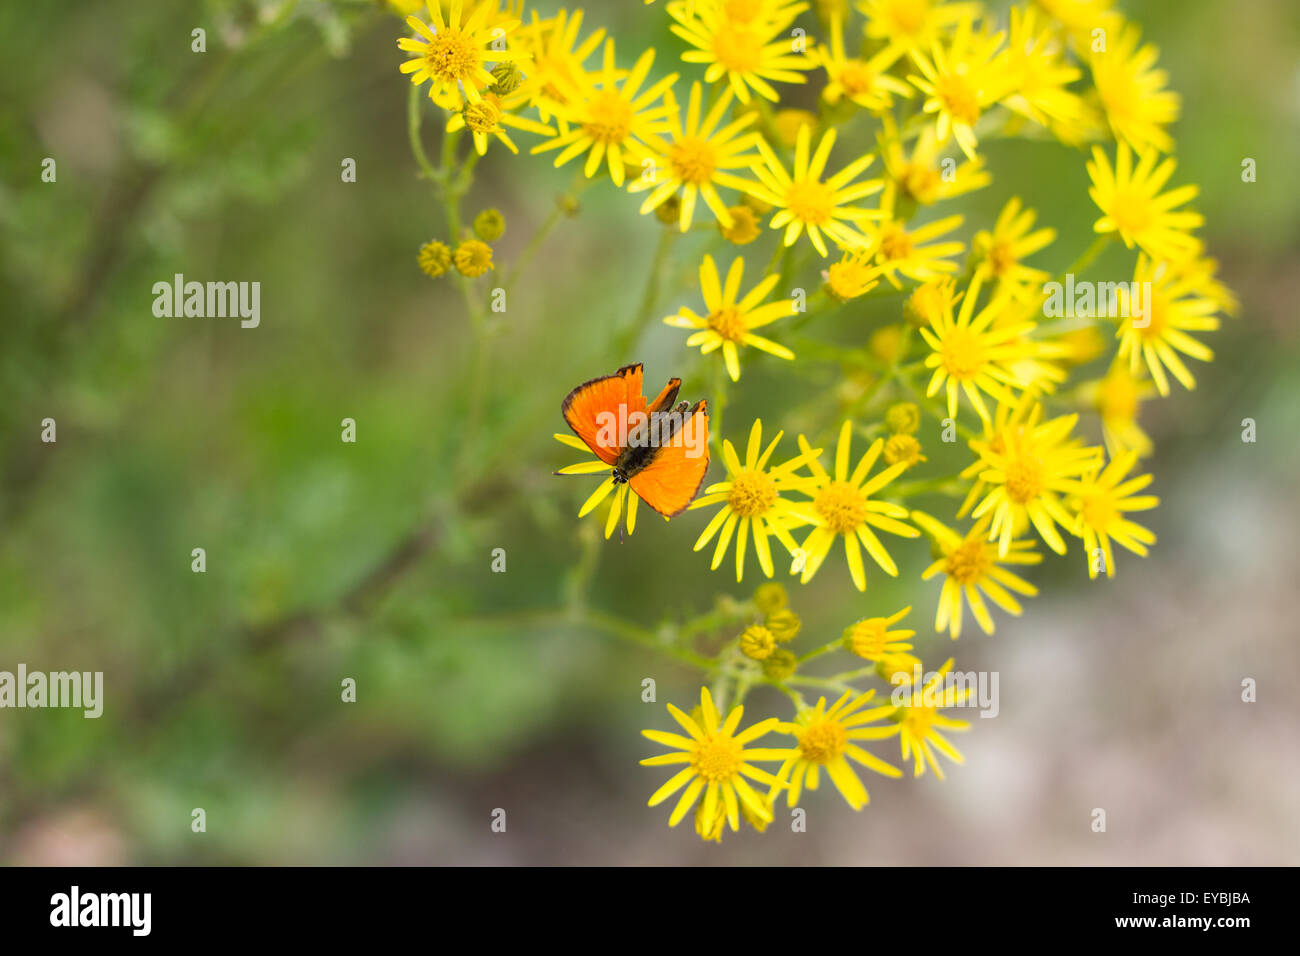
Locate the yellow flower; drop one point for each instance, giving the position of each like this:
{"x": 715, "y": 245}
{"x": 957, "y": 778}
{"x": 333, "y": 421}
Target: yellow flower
{"x": 913, "y": 24}
{"x": 729, "y": 322}
{"x": 709, "y": 829}
{"x": 435, "y": 258}
{"x": 700, "y": 158}
{"x": 787, "y": 123}
{"x": 1117, "y": 397}
{"x": 453, "y": 51}
{"x": 930, "y": 301}
{"x": 922, "y": 177}
{"x": 920, "y": 723}
{"x": 1103, "y": 500}
{"x": 903, "y": 418}
{"x": 771, "y": 597}
{"x": 844, "y": 507}
{"x": 969, "y": 353}
{"x": 490, "y": 225}
{"x": 1133, "y": 93}
{"x": 865, "y": 83}
{"x": 718, "y": 763}
{"x": 1035, "y": 60}
{"x": 1081, "y": 17}
{"x": 886, "y": 342}
{"x": 624, "y": 501}
{"x": 828, "y": 739}
{"x": 757, "y": 643}
{"x": 473, "y": 258}
{"x": 1001, "y": 252}
{"x": 609, "y": 120}
{"x": 852, "y": 276}
{"x": 743, "y": 42}
{"x": 750, "y": 497}
{"x": 903, "y": 450}
{"x": 872, "y": 640}
{"x": 1205, "y": 270}
{"x": 744, "y": 227}
{"x": 1032, "y": 466}
{"x": 1133, "y": 207}
{"x": 804, "y": 201}
{"x": 1082, "y": 345}
{"x": 558, "y": 60}
{"x": 970, "y": 565}
{"x": 912, "y": 251}
{"x": 894, "y": 668}
{"x": 491, "y": 115}
{"x": 1177, "y": 307}
{"x": 960, "y": 81}
{"x": 780, "y": 665}
{"x": 784, "y": 625}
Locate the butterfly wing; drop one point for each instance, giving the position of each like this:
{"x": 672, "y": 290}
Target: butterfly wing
{"x": 664, "y": 400}
{"x": 676, "y": 472}
{"x": 618, "y": 394}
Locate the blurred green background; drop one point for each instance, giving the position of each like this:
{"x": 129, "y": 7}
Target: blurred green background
{"x": 371, "y": 560}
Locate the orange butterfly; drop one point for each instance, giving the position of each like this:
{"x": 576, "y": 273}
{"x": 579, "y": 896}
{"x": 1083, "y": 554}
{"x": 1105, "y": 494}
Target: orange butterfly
{"x": 662, "y": 452}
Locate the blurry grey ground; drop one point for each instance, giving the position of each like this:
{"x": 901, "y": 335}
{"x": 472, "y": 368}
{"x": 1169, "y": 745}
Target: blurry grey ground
{"x": 1122, "y": 695}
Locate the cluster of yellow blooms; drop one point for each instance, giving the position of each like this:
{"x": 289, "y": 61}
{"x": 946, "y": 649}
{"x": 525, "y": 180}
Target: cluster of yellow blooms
{"x": 932, "y": 80}
{"x": 472, "y": 257}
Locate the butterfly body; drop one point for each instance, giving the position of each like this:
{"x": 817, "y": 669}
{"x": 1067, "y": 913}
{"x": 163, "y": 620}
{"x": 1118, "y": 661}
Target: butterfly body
{"x": 659, "y": 449}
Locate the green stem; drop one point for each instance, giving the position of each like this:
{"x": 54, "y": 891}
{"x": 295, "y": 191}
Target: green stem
{"x": 824, "y": 649}
{"x": 596, "y": 621}
{"x": 628, "y": 337}
{"x": 413, "y": 134}
{"x": 1085, "y": 258}
{"x": 720, "y": 379}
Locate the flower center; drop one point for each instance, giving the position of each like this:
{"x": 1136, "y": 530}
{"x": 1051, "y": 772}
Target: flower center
{"x": 729, "y": 323}
{"x": 841, "y": 507}
{"x": 962, "y": 354}
{"x": 1001, "y": 258}
{"x": 919, "y": 182}
{"x": 857, "y": 78}
{"x": 909, "y": 16}
{"x": 1131, "y": 211}
{"x": 693, "y": 160}
{"x": 895, "y": 243}
{"x": 1024, "y": 480}
{"x": 810, "y": 201}
{"x": 738, "y": 48}
{"x": 610, "y": 118}
{"x": 958, "y": 98}
{"x": 1119, "y": 398}
{"x": 968, "y": 562}
{"x": 717, "y": 758}
{"x": 822, "y": 741}
{"x": 917, "y": 721}
{"x": 1098, "y": 512}
{"x": 451, "y": 55}
{"x": 752, "y": 493}
{"x": 1155, "y": 327}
